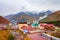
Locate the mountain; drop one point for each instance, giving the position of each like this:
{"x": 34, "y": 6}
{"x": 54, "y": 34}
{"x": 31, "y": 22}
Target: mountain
{"x": 44, "y": 14}
{"x": 33, "y": 13}
{"x": 49, "y": 12}
{"x": 53, "y": 19}
{"x": 40, "y": 14}
{"x": 21, "y": 17}
{"x": 4, "y": 20}
{"x": 9, "y": 16}
{"x": 27, "y": 15}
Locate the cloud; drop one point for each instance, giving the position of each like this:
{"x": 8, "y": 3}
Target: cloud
{"x": 11, "y": 6}
{"x": 14, "y": 6}
{"x": 45, "y": 4}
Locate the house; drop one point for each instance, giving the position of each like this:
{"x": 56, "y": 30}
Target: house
{"x": 47, "y": 26}
{"x": 21, "y": 24}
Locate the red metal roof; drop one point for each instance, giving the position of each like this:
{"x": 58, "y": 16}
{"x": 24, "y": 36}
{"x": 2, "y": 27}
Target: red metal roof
{"x": 49, "y": 25}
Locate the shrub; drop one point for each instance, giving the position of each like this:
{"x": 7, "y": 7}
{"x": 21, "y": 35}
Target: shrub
{"x": 56, "y": 23}
{"x": 10, "y": 37}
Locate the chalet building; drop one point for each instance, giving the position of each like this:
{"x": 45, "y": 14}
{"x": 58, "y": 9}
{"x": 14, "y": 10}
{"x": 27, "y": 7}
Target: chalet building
{"x": 47, "y": 26}
{"x": 21, "y": 24}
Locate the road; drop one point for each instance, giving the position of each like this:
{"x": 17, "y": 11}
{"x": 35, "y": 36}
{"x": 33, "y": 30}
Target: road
{"x": 36, "y": 37}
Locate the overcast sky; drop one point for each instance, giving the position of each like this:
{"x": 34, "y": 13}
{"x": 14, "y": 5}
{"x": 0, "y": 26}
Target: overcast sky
{"x": 14, "y": 6}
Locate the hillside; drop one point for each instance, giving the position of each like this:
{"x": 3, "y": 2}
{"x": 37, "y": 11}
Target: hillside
{"x": 53, "y": 17}
{"x": 21, "y": 16}
{"x": 9, "y": 16}
{"x": 3, "y": 20}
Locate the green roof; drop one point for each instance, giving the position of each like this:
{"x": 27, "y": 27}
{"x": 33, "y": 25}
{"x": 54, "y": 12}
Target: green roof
{"x": 35, "y": 24}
